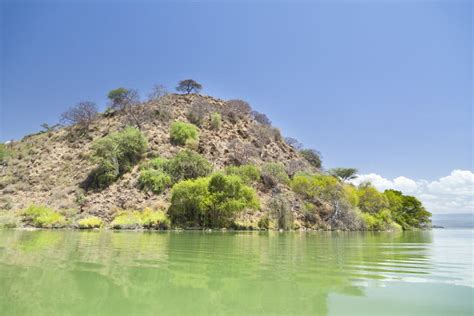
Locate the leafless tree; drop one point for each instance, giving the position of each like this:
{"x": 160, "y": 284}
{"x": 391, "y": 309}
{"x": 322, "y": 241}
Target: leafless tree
{"x": 158, "y": 91}
{"x": 296, "y": 165}
{"x": 242, "y": 152}
{"x": 294, "y": 143}
{"x": 82, "y": 115}
{"x": 236, "y": 110}
{"x": 200, "y": 110}
{"x": 261, "y": 118}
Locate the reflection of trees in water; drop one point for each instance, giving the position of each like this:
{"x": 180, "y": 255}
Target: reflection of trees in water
{"x": 195, "y": 272}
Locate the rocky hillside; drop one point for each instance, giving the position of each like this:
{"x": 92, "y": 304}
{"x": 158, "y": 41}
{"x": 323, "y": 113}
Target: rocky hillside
{"x": 52, "y": 167}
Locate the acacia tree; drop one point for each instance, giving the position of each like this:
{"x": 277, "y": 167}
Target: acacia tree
{"x": 188, "y": 86}
{"x": 82, "y": 115}
{"x": 343, "y": 174}
{"x": 128, "y": 101}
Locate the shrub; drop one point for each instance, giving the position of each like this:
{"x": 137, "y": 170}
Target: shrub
{"x": 81, "y": 115}
{"x": 199, "y": 111}
{"x": 154, "y": 219}
{"x": 241, "y": 152}
{"x": 264, "y": 135}
{"x": 280, "y": 208}
{"x": 90, "y": 222}
{"x": 153, "y": 180}
{"x": 293, "y": 143}
{"x": 127, "y": 220}
{"x": 216, "y": 121}
{"x": 312, "y": 156}
{"x": 164, "y": 112}
{"x": 147, "y": 218}
{"x": 273, "y": 174}
{"x": 211, "y": 201}
{"x": 157, "y": 92}
{"x": 44, "y": 217}
{"x": 115, "y": 154}
{"x": 187, "y": 165}
{"x": 248, "y": 173}
{"x": 236, "y": 110}
{"x": 182, "y": 133}
{"x": 317, "y": 186}
{"x": 378, "y": 222}
{"x": 188, "y": 86}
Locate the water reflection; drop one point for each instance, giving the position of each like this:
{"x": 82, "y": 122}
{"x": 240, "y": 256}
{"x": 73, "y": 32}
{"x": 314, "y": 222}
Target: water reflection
{"x": 43, "y": 272}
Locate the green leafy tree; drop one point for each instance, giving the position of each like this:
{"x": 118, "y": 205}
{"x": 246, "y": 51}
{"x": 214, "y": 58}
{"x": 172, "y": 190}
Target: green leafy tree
{"x": 115, "y": 154}
{"x": 312, "y": 156}
{"x": 371, "y": 200}
{"x": 187, "y": 165}
{"x": 188, "y": 86}
{"x": 343, "y": 174}
{"x": 407, "y": 210}
{"x": 211, "y": 201}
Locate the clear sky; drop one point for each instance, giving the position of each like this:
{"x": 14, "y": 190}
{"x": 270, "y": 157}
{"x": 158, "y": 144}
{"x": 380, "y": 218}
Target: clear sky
{"x": 383, "y": 86}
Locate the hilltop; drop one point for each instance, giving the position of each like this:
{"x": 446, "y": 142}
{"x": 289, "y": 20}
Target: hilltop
{"x": 58, "y": 168}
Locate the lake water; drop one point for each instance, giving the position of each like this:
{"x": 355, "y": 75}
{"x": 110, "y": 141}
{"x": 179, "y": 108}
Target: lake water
{"x": 241, "y": 273}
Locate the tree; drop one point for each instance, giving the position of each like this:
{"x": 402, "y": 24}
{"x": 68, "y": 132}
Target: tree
{"x": 236, "y": 110}
{"x": 158, "y": 91}
{"x": 312, "y": 156}
{"x": 261, "y": 118}
{"x": 294, "y": 143}
{"x": 407, "y": 210}
{"x": 343, "y": 174}
{"x": 188, "y": 86}
{"x": 121, "y": 97}
{"x": 371, "y": 200}
{"x": 82, "y": 115}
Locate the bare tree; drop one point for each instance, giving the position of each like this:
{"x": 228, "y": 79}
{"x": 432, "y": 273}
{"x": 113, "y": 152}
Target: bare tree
{"x": 236, "y": 110}
{"x": 261, "y": 118}
{"x": 82, "y": 115}
{"x": 188, "y": 86}
{"x": 294, "y": 143}
{"x": 242, "y": 152}
{"x": 200, "y": 110}
{"x": 158, "y": 91}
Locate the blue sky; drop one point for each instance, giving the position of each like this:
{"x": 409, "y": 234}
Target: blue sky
{"x": 383, "y": 86}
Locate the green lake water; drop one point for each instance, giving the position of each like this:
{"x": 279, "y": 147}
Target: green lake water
{"x": 236, "y": 273}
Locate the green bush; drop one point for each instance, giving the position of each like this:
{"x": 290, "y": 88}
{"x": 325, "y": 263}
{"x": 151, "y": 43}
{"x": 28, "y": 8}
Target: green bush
{"x": 44, "y": 217}
{"x": 211, "y": 201}
{"x": 154, "y": 219}
{"x": 182, "y": 133}
{"x": 378, "y": 221}
{"x": 312, "y": 156}
{"x": 90, "y": 222}
{"x": 127, "y": 220}
{"x": 273, "y": 174}
{"x": 147, "y": 218}
{"x": 153, "y": 180}
{"x": 187, "y": 165}
{"x": 317, "y": 186}
{"x": 216, "y": 120}
{"x": 115, "y": 154}
{"x": 248, "y": 173}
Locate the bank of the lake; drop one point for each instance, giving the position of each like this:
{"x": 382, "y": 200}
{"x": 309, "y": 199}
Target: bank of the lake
{"x": 325, "y": 273}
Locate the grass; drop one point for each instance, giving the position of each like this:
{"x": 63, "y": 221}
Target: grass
{"x": 147, "y": 218}
{"x": 90, "y": 222}
{"x": 44, "y": 217}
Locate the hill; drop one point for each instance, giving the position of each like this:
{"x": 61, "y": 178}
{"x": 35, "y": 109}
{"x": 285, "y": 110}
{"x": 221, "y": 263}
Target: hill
{"x": 60, "y": 167}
